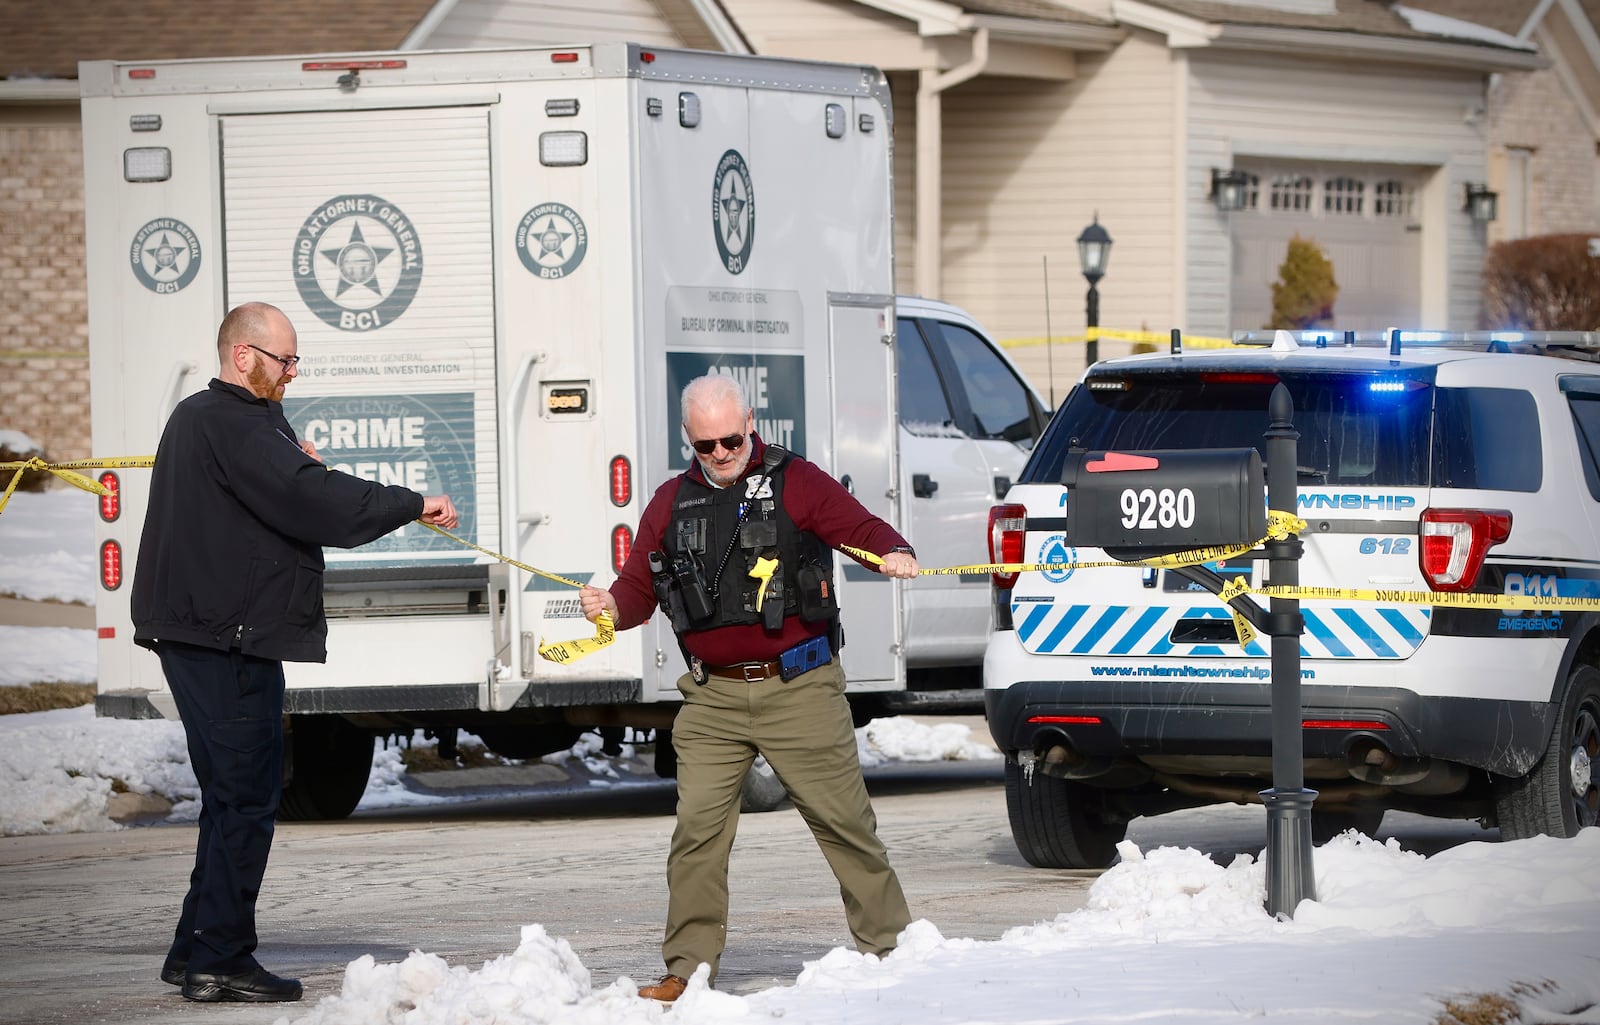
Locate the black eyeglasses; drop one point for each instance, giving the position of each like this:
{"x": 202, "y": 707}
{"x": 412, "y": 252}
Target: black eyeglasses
{"x": 733, "y": 443}
{"x": 287, "y": 361}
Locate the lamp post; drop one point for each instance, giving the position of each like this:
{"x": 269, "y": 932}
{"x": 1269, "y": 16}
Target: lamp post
{"x": 1094, "y": 249}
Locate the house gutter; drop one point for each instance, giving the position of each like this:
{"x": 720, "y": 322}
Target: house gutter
{"x": 39, "y": 90}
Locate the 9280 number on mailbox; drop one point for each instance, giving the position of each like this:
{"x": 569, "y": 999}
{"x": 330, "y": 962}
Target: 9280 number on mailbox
{"x": 1149, "y": 509}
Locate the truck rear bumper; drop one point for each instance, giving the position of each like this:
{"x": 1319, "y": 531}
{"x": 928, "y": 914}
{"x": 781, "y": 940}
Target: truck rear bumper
{"x": 1149, "y": 718}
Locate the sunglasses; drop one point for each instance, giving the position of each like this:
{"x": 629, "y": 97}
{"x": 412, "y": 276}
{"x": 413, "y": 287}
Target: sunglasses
{"x": 733, "y": 443}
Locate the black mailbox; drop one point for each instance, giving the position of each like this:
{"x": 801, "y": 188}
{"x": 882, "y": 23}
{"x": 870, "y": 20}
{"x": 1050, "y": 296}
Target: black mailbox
{"x": 1138, "y": 504}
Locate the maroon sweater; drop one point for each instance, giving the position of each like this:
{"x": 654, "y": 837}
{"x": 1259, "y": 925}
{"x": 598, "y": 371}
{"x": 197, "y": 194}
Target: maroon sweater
{"x": 815, "y": 501}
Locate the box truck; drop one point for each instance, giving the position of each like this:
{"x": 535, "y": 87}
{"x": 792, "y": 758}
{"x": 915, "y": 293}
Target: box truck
{"x": 503, "y": 267}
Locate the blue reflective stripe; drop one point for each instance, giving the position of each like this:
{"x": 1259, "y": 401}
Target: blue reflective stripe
{"x": 1140, "y": 627}
{"x": 1107, "y": 620}
{"x": 1397, "y": 619}
{"x": 1031, "y": 621}
{"x": 1365, "y": 632}
{"x": 1316, "y": 628}
{"x": 1064, "y": 627}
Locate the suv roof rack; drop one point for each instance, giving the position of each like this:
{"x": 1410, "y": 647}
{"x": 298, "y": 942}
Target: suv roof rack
{"x": 1573, "y": 344}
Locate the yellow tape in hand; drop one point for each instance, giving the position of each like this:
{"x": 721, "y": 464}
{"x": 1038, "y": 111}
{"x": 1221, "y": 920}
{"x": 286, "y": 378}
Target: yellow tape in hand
{"x": 569, "y": 651}
{"x": 559, "y": 651}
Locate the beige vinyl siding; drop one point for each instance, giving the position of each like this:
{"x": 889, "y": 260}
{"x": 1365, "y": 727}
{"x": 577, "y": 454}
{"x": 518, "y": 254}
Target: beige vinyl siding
{"x": 1299, "y": 109}
{"x": 810, "y": 28}
{"x": 1028, "y": 165}
{"x": 489, "y": 23}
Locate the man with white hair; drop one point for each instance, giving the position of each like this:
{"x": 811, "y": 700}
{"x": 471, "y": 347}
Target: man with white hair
{"x": 737, "y": 551}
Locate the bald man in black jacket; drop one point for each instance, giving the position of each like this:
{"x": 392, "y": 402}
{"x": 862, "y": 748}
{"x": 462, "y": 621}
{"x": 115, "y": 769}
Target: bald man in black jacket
{"x": 227, "y": 588}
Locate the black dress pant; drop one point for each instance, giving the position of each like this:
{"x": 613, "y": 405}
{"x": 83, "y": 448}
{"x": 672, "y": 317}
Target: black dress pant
{"x": 232, "y": 710}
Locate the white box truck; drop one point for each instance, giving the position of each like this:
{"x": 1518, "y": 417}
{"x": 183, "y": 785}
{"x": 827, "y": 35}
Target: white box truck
{"x": 503, "y": 266}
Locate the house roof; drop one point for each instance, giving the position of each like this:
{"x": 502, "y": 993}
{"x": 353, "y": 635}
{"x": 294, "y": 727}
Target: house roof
{"x": 1506, "y": 16}
{"x": 1365, "y": 17}
{"x": 47, "y": 38}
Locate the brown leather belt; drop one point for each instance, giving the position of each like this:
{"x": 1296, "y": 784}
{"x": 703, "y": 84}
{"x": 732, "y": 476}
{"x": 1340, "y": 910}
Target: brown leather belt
{"x": 750, "y": 672}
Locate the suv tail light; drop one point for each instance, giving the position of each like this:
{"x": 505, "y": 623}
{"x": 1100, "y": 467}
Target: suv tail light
{"x": 1007, "y": 526}
{"x": 1454, "y": 542}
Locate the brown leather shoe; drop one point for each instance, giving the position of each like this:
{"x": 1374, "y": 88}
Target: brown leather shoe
{"x": 670, "y": 988}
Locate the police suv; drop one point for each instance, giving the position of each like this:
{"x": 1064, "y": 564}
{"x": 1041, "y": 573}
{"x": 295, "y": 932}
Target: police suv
{"x": 1426, "y": 463}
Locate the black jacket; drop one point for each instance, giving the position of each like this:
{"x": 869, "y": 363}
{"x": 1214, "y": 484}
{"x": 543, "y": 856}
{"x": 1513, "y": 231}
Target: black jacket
{"x": 231, "y": 554}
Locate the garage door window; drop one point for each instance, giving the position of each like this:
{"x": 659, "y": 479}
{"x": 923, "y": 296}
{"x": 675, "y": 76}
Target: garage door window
{"x": 1392, "y": 198}
{"x": 1291, "y": 192}
{"x": 1343, "y": 196}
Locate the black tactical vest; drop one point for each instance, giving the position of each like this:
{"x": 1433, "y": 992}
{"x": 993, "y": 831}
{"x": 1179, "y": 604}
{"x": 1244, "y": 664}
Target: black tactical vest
{"x": 716, "y": 537}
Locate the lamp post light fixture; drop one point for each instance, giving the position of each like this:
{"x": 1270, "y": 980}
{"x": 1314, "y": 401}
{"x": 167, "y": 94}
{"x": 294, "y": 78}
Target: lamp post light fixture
{"x": 1094, "y": 250}
{"x": 1229, "y": 189}
{"x": 1481, "y": 202}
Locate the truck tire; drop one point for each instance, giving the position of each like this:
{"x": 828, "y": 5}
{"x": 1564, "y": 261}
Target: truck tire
{"x": 329, "y": 761}
{"x": 1057, "y": 823}
{"x": 1559, "y": 795}
{"x": 762, "y": 790}
{"x": 524, "y": 742}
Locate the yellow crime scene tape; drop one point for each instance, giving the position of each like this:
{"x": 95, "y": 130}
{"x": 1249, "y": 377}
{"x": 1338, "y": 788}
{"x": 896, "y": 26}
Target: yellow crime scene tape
{"x": 1280, "y": 525}
{"x": 1137, "y": 337}
{"x": 67, "y": 472}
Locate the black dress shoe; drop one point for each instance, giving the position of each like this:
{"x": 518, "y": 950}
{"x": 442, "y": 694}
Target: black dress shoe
{"x": 172, "y": 972}
{"x": 257, "y": 986}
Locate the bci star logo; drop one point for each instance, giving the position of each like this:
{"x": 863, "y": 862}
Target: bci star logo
{"x": 358, "y": 262}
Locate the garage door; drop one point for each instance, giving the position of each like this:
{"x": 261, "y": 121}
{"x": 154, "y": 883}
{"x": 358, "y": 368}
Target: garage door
{"x": 1366, "y": 221}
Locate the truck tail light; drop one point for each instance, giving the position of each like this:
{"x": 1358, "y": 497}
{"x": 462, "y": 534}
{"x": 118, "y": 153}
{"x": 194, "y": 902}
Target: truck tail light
{"x": 110, "y": 504}
{"x": 621, "y": 545}
{"x": 1007, "y": 527}
{"x": 111, "y": 565}
{"x": 1454, "y": 542}
{"x": 621, "y": 480}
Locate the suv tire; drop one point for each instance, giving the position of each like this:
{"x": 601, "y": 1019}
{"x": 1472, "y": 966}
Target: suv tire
{"x": 1547, "y": 800}
{"x": 1057, "y": 823}
{"x": 1325, "y": 825}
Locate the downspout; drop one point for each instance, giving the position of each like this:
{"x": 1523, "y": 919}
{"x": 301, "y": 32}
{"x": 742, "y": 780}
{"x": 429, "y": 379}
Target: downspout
{"x": 420, "y": 36}
{"x": 930, "y": 162}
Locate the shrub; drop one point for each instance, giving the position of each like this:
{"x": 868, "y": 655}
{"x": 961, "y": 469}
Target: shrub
{"x": 1545, "y": 283}
{"x": 1303, "y": 295}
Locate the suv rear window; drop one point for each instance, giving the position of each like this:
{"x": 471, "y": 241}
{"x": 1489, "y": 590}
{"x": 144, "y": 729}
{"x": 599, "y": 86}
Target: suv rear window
{"x": 1487, "y": 438}
{"x": 1352, "y": 434}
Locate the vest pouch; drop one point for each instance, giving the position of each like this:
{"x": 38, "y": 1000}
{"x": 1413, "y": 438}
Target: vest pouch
{"x": 817, "y": 598}
{"x": 758, "y": 534}
{"x": 691, "y": 587}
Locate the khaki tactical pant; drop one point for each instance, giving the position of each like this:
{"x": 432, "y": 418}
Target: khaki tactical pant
{"x": 803, "y": 728}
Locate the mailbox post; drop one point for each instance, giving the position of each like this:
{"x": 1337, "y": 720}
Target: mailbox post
{"x": 1289, "y": 876}
{"x": 1138, "y": 504}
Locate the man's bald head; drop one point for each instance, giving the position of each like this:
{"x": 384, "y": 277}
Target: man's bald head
{"x": 254, "y": 340}
{"x": 248, "y": 324}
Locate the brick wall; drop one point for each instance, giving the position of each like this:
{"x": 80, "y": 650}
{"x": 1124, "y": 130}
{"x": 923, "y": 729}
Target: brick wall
{"x": 1534, "y": 111}
{"x": 44, "y": 321}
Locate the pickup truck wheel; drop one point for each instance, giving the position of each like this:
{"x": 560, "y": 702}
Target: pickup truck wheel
{"x": 1057, "y": 823}
{"x": 329, "y": 761}
{"x": 1561, "y": 793}
{"x": 762, "y": 790}
{"x": 1325, "y": 825}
